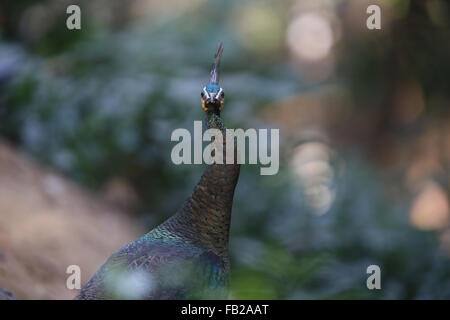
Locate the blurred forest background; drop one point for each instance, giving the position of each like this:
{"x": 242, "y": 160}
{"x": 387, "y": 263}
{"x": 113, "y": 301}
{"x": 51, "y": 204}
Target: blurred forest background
{"x": 86, "y": 118}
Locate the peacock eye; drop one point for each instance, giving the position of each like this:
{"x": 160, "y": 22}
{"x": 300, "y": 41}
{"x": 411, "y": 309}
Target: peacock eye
{"x": 222, "y": 95}
{"x": 202, "y": 94}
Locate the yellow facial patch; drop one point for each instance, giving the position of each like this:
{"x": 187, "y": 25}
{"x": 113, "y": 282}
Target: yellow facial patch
{"x": 206, "y": 109}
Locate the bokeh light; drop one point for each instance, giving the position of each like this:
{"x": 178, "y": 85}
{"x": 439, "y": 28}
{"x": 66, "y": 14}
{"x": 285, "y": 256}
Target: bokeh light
{"x": 310, "y": 36}
{"x": 311, "y": 163}
{"x": 430, "y": 209}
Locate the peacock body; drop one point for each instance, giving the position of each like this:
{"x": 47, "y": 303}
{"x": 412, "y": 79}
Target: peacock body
{"x": 187, "y": 255}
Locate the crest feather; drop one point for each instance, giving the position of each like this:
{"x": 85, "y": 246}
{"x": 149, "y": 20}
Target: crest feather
{"x": 215, "y": 70}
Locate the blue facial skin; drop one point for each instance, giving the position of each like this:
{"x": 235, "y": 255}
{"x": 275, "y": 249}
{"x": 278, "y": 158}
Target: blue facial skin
{"x": 212, "y": 87}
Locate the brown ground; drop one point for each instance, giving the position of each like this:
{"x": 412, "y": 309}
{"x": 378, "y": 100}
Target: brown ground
{"x": 48, "y": 223}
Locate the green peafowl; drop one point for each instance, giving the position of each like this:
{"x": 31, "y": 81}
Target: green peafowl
{"x": 187, "y": 255}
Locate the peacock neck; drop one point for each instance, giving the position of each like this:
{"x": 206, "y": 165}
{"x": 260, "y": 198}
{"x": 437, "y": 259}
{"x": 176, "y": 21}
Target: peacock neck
{"x": 206, "y": 215}
{"x": 214, "y": 121}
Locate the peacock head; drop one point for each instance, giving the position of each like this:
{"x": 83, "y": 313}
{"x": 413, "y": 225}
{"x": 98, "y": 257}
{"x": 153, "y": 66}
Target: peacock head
{"x": 213, "y": 98}
{"x": 213, "y": 95}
